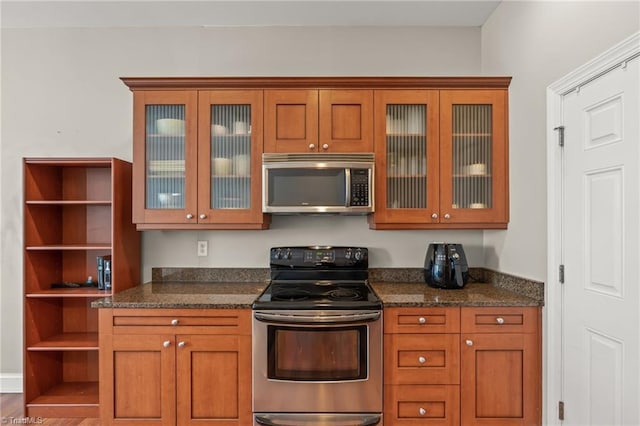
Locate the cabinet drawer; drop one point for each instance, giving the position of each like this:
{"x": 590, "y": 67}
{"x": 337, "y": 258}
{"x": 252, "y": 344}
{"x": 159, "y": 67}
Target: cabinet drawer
{"x": 421, "y": 405}
{"x": 194, "y": 321}
{"x": 422, "y": 359}
{"x": 422, "y": 320}
{"x": 499, "y": 320}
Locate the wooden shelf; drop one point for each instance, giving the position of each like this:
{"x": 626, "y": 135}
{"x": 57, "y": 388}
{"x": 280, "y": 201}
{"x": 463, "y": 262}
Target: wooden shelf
{"x": 89, "y": 292}
{"x": 67, "y": 342}
{"x": 69, "y": 202}
{"x": 67, "y": 399}
{"x": 73, "y": 208}
{"x": 70, "y": 247}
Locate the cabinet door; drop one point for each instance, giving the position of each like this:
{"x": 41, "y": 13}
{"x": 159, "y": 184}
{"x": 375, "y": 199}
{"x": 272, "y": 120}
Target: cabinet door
{"x": 346, "y": 121}
{"x": 291, "y": 120}
{"x": 473, "y": 156}
{"x": 500, "y": 379}
{"x": 140, "y": 371}
{"x": 230, "y": 156}
{"x": 214, "y": 380}
{"x": 164, "y": 157}
{"x": 406, "y": 148}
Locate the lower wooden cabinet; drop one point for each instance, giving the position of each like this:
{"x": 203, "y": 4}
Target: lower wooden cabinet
{"x": 501, "y": 369}
{"x": 463, "y": 366}
{"x": 177, "y": 368}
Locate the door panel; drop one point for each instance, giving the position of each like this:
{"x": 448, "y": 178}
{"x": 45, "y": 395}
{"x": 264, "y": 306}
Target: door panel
{"x": 291, "y": 120}
{"x": 601, "y": 301}
{"x": 346, "y": 120}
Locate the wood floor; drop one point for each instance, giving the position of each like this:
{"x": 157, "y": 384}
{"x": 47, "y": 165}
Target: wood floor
{"x": 11, "y": 413}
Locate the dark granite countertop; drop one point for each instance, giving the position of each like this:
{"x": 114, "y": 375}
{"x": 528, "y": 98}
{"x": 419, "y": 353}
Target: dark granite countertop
{"x": 412, "y": 294}
{"x": 197, "y": 295}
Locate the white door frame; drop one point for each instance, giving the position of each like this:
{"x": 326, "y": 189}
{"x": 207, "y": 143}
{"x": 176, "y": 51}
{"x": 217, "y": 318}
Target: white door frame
{"x": 611, "y": 59}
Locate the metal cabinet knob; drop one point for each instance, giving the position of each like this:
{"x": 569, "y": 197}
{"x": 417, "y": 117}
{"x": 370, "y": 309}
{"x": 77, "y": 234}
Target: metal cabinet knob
{"x": 325, "y": 146}
{"x": 312, "y": 146}
{"x": 500, "y": 320}
{"x": 203, "y": 216}
{"x": 434, "y": 216}
{"x": 447, "y": 216}
{"x": 189, "y": 216}
{"x": 174, "y": 322}
{"x": 422, "y": 320}
{"x": 166, "y": 343}
{"x": 469, "y": 342}
{"x": 181, "y": 344}
{"x": 422, "y": 359}
{"x": 422, "y": 411}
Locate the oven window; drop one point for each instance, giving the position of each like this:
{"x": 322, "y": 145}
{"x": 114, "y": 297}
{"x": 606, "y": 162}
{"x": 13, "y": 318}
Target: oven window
{"x": 323, "y": 354}
{"x": 307, "y": 187}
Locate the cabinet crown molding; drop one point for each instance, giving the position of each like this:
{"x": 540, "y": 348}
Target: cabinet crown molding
{"x": 194, "y": 83}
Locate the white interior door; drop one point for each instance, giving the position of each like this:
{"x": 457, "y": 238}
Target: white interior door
{"x": 600, "y": 227}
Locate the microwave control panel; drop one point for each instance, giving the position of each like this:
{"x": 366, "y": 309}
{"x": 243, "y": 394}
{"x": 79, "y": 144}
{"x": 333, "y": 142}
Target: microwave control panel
{"x": 359, "y": 187}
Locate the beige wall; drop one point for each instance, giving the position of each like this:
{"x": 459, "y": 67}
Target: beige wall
{"x": 538, "y": 43}
{"x": 61, "y": 97}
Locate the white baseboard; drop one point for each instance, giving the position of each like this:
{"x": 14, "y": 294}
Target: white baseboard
{"x": 10, "y": 383}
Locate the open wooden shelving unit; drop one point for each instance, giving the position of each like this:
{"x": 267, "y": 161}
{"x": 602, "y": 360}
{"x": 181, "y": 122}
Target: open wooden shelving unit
{"x": 74, "y": 210}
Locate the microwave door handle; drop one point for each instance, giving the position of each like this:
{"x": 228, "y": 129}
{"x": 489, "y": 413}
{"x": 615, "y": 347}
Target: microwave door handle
{"x": 273, "y": 420}
{"x": 347, "y": 190}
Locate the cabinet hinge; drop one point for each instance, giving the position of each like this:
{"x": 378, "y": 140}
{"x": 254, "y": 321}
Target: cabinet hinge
{"x": 561, "y": 274}
{"x": 560, "y": 410}
{"x": 560, "y": 130}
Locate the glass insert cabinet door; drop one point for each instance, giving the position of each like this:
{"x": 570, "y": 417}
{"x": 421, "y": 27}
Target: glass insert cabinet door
{"x": 473, "y": 156}
{"x": 407, "y": 151}
{"x": 229, "y": 156}
{"x": 164, "y": 157}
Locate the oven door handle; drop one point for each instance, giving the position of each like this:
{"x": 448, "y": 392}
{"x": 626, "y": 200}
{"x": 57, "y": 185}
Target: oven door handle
{"x": 319, "y": 319}
{"x": 337, "y": 420}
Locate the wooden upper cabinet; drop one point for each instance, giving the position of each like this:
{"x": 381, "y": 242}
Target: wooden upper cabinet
{"x": 290, "y": 120}
{"x": 318, "y": 121}
{"x": 407, "y": 164}
{"x": 165, "y": 157}
{"x": 197, "y": 159}
{"x": 474, "y": 157}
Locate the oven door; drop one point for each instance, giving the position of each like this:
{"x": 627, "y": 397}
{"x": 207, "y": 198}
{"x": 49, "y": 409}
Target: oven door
{"x": 317, "y": 362}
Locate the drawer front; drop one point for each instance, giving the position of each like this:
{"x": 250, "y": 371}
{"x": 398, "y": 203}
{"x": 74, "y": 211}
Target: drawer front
{"x": 499, "y": 320}
{"x": 415, "y": 405}
{"x": 422, "y": 320}
{"x": 190, "y": 321}
{"x": 422, "y": 359}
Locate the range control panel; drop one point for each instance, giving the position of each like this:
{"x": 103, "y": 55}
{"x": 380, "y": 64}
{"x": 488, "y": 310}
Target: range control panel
{"x": 325, "y": 257}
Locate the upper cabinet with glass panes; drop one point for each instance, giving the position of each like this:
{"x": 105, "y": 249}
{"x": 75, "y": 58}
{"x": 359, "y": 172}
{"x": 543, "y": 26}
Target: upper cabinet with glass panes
{"x": 440, "y": 146}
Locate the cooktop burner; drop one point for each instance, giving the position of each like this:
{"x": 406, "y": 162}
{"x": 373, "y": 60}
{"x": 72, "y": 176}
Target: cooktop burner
{"x": 318, "y": 277}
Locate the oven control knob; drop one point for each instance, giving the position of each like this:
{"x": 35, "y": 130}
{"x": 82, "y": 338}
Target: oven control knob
{"x": 278, "y": 254}
{"x": 287, "y": 254}
{"x": 347, "y": 254}
{"x": 358, "y": 255}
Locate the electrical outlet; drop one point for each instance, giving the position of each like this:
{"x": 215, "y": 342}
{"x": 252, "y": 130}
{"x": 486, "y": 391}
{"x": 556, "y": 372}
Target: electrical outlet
{"x": 203, "y": 248}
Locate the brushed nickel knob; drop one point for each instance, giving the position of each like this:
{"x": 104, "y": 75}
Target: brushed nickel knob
{"x": 469, "y": 342}
{"x": 312, "y": 146}
{"x": 447, "y": 216}
{"x": 166, "y": 343}
{"x": 203, "y": 216}
{"x": 434, "y": 216}
{"x": 325, "y": 146}
{"x": 422, "y": 320}
{"x": 181, "y": 344}
{"x": 189, "y": 216}
{"x": 422, "y": 359}
{"x": 500, "y": 320}
{"x": 422, "y": 411}
{"x": 174, "y": 322}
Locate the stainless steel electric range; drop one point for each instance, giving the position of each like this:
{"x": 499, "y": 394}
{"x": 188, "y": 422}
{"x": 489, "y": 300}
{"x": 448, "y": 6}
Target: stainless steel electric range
{"x": 317, "y": 340}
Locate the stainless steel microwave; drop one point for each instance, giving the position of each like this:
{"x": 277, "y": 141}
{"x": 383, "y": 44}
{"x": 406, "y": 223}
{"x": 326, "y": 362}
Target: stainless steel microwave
{"x": 318, "y": 183}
